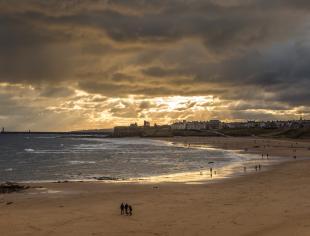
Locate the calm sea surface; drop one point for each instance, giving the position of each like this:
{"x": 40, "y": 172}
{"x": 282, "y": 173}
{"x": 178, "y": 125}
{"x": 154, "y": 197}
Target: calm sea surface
{"x": 34, "y": 157}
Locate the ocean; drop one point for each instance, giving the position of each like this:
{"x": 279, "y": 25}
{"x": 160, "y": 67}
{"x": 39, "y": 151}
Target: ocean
{"x": 50, "y": 157}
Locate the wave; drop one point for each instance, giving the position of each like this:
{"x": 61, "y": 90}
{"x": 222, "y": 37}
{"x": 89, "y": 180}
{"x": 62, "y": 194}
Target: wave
{"x": 81, "y": 162}
{"x": 29, "y": 150}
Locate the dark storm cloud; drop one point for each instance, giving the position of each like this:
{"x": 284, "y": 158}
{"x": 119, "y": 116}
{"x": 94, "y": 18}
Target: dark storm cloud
{"x": 255, "y": 52}
{"x": 283, "y": 70}
{"x": 56, "y": 92}
{"x": 27, "y": 52}
{"x": 219, "y": 26}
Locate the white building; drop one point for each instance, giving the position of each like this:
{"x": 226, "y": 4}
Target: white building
{"x": 196, "y": 125}
{"x": 214, "y": 124}
{"x": 179, "y": 125}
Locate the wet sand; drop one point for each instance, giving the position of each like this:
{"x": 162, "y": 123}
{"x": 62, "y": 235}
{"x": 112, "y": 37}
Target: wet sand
{"x": 275, "y": 202}
{"x": 272, "y": 147}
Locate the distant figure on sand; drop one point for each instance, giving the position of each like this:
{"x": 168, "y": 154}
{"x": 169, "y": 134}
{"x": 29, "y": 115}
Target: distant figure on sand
{"x": 126, "y": 208}
{"x": 130, "y": 210}
{"x": 259, "y": 166}
{"x": 267, "y": 155}
{"x": 122, "y": 208}
{"x": 244, "y": 169}
{"x": 255, "y": 168}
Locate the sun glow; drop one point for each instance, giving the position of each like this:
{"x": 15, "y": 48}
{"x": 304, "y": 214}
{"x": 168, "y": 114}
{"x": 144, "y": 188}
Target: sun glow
{"x": 174, "y": 103}
{"x": 118, "y": 110}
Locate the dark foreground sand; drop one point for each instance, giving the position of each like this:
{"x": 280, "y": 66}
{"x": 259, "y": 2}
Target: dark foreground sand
{"x": 275, "y": 202}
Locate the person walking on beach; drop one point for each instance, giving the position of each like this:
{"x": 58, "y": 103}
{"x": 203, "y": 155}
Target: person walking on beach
{"x": 255, "y": 168}
{"x": 126, "y": 209}
{"x": 130, "y": 210}
{"x": 122, "y": 208}
{"x": 259, "y": 167}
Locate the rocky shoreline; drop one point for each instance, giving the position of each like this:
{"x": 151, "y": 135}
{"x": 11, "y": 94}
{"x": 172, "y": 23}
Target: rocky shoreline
{"x": 9, "y": 187}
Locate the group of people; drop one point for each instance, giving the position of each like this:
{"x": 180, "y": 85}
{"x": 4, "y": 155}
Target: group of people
{"x": 126, "y": 209}
{"x": 256, "y": 167}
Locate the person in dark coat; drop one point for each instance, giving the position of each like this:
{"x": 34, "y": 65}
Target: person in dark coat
{"x": 122, "y": 208}
{"x": 126, "y": 209}
{"x": 130, "y": 210}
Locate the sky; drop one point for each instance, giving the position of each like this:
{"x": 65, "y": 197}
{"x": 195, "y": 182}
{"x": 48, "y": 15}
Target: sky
{"x": 92, "y": 64}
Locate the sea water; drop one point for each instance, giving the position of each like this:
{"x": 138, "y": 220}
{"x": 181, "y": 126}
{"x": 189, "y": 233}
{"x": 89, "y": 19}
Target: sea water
{"x": 50, "y": 157}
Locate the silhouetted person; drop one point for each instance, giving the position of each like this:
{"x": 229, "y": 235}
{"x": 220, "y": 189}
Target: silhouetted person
{"x": 255, "y": 168}
{"x": 126, "y": 209}
{"x": 294, "y": 157}
{"x": 262, "y": 156}
{"x": 130, "y": 210}
{"x": 244, "y": 169}
{"x": 259, "y": 167}
{"x": 122, "y": 208}
{"x": 267, "y": 155}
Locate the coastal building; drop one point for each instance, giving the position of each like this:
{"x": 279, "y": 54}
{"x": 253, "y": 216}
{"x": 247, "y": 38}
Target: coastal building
{"x": 235, "y": 125}
{"x": 215, "y": 124}
{"x": 196, "y": 125}
{"x": 133, "y": 130}
{"x": 184, "y": 127}
{"x": 272, "y": 124}
{"x": 127, "y": 131}
{"x": 179, "y": 125}
{"x": 146, "y": 124}
{"x": 133, "y": 125}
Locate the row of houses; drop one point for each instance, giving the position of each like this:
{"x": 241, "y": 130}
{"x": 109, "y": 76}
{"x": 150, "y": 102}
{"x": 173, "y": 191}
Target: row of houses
{"x": 197, "y": 125}
{"x": 168, "y": 130}
{"x": 217, "y": 124}
{"x": 143, "y": 131}
{"x": 276, "y": 124}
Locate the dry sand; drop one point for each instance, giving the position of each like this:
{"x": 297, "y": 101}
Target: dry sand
{"x": 275, "y": 202}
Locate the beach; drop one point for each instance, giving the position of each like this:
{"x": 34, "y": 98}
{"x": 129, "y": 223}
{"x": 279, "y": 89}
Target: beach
{"x": 272, "y": 202}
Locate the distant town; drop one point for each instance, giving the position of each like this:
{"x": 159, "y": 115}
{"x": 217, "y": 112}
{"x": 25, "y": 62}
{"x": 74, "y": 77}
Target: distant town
{"x": 212, "y": 128}
{"x": 275, "y": 128}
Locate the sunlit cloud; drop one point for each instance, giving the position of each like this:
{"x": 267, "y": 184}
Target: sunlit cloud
{"x": 95, "y": 64}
